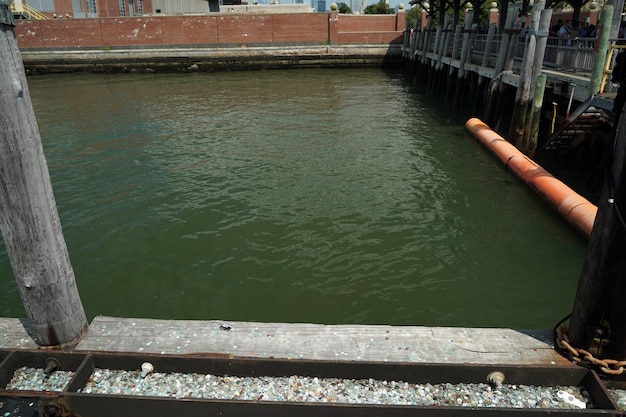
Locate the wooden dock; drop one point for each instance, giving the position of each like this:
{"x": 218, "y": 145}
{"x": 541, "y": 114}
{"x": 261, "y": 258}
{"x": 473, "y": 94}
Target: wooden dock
{"x": 368, "y": 343}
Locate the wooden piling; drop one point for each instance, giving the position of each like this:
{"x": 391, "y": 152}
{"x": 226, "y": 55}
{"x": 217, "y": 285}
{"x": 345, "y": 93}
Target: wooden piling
{"x": 602, "y": 43}
{"x": 454, "y": 55}
{"x": 462, "y": 74}
{"x": 527, "y": 79}
{"x": 443, "y": 45}
{"x": 496, "y": 87}
{"x": 481, "y": 89}
{"x": 537, "y": 86}
{"x": 531, "y": 130}
{"x": 29, "y": 220}
{"x": 506, "y": 36}
{"x": 417, "y": 37}
{"x": 423, "y": 67}
{"x": 412, "y": 45}
{"x": 598, "y": 322}
{"x": 432, "y": 67}
{"x": 504, "y": 63}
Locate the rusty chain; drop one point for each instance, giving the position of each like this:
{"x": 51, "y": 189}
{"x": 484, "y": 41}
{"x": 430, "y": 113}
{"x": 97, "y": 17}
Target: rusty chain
{"x": 608, "y": 366}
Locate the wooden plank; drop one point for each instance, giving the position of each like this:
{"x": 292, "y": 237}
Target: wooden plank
{"x": 377, "y": 343}
{"x": 14, "y": 334}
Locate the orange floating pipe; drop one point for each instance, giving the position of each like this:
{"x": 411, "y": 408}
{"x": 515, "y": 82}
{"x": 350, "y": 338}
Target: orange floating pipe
{"x": 577, "y": 210}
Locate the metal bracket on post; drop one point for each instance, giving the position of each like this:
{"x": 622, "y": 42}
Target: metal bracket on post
{"x": 6, "y": 15}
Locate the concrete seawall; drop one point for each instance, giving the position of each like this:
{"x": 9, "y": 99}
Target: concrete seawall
{"x": 182, "y": 59}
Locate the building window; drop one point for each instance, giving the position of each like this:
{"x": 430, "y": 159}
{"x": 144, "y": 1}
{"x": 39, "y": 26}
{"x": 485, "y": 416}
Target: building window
{"x": 91, "y": 8}
{"x": 42, "y": 5}
{"x": 139, "y": 7}
{"x": 122, "y": 8}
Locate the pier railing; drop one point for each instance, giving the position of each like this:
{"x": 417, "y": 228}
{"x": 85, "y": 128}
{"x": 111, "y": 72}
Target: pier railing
{"x": 575, "y": 55}
{"x": 570, "y": 54}
{"x": 564, "y": 54}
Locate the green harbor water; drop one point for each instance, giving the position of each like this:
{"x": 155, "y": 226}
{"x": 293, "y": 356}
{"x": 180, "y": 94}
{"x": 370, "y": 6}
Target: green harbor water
{"x": 325, "y": 196}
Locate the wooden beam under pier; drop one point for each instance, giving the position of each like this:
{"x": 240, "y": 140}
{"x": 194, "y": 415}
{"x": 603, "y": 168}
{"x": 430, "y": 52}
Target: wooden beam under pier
{"x": 564, "y": 83}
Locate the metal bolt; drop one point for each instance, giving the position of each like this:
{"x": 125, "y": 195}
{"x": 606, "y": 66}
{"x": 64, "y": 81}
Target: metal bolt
{"x": 52, "y": 364}
{"x": 52, "y": 410}
{"x": 496, "y": 378}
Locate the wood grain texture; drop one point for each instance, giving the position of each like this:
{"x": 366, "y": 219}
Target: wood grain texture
{"x": 29, "y": 220}
{"x": 14, "y": 334}
{"x": 323, "y": 342}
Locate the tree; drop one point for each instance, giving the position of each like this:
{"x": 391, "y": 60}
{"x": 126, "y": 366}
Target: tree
{"x": 413, "y": 16}
{"x": 378, "y": 8}
{"x": 577, "y": 5}
{"x": 344, "y": 8}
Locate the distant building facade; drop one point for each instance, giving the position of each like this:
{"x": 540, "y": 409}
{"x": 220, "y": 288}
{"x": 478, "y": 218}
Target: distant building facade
{"x": 185, "y": 6}
{"x": 87, "y": 8}
{"x": 120, "y": 8}
{"x": 61, "y": 9}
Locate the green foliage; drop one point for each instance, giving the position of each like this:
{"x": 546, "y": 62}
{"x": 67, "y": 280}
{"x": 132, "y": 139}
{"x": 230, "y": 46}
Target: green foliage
{"x": 379, "y": 8}
{"x": 413, "y": 15}
{"x": 344, "y": 8}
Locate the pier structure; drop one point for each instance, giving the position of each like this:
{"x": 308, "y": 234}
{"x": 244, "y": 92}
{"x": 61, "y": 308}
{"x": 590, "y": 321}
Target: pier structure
{"x": 57, "y": 320}
{"x": 376, "y": 343}
{"x": 538, "y": 76}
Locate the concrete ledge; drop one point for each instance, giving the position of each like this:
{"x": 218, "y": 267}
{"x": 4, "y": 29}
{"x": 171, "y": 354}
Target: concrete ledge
{"x": 210, "y": 58}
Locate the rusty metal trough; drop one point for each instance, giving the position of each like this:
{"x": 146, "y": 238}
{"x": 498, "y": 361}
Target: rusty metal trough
{"x": 70, "y": 402}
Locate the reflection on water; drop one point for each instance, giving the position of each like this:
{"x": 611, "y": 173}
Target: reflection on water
{"x": 328, "y": 196}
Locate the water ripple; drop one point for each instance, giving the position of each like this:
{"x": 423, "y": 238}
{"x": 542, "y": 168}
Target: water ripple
{"x": 323, "y": 196}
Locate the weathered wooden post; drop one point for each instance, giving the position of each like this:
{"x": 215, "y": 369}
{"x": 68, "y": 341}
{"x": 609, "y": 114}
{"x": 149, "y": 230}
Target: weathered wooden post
{"x": 481, "y": 91}
{"x": 425, "y": 47}
{"x": 28, "y": 215}
{"x": 454, "y": 55}
{"x": 598, "y": 321}
{"x": 506, "y": 36}
{"x": 496, "y": 87}
{"x": 526, "y": 81}
{"x": 531, "y": 132}
{"x": 616, "y": 19}
{"x": 417, "y": 39}
{"x": 443, "y": 46}
{"x": 597, "y": 70}
{"x": 462, "y": 74}
{"x": 508, "y": 65}
{"x": 435, "y": 61}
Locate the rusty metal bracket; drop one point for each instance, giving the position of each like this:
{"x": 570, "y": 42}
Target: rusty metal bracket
{"x": 6, "y": 15}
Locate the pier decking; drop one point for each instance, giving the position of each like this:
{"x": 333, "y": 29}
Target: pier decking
{"x": 369, "y": 343}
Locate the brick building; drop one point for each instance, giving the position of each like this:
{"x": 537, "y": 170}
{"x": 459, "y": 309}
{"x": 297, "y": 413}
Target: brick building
{"x": 119, "y": 8}
{"x": 86, "y": 8}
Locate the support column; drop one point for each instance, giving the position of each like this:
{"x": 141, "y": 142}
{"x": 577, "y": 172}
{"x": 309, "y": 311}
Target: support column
{"x": 598, "y": 322}
{"x": 333, "y": 27}
{"x": 29, "y": 220}
{"x": 602, "y": 42}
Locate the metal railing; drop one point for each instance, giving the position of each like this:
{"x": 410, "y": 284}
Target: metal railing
{"x": 570, "y": 54}
{"x": 562, "y": 54}
{"x": 29, "y": 12}
{"x": 606, "y": 83}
